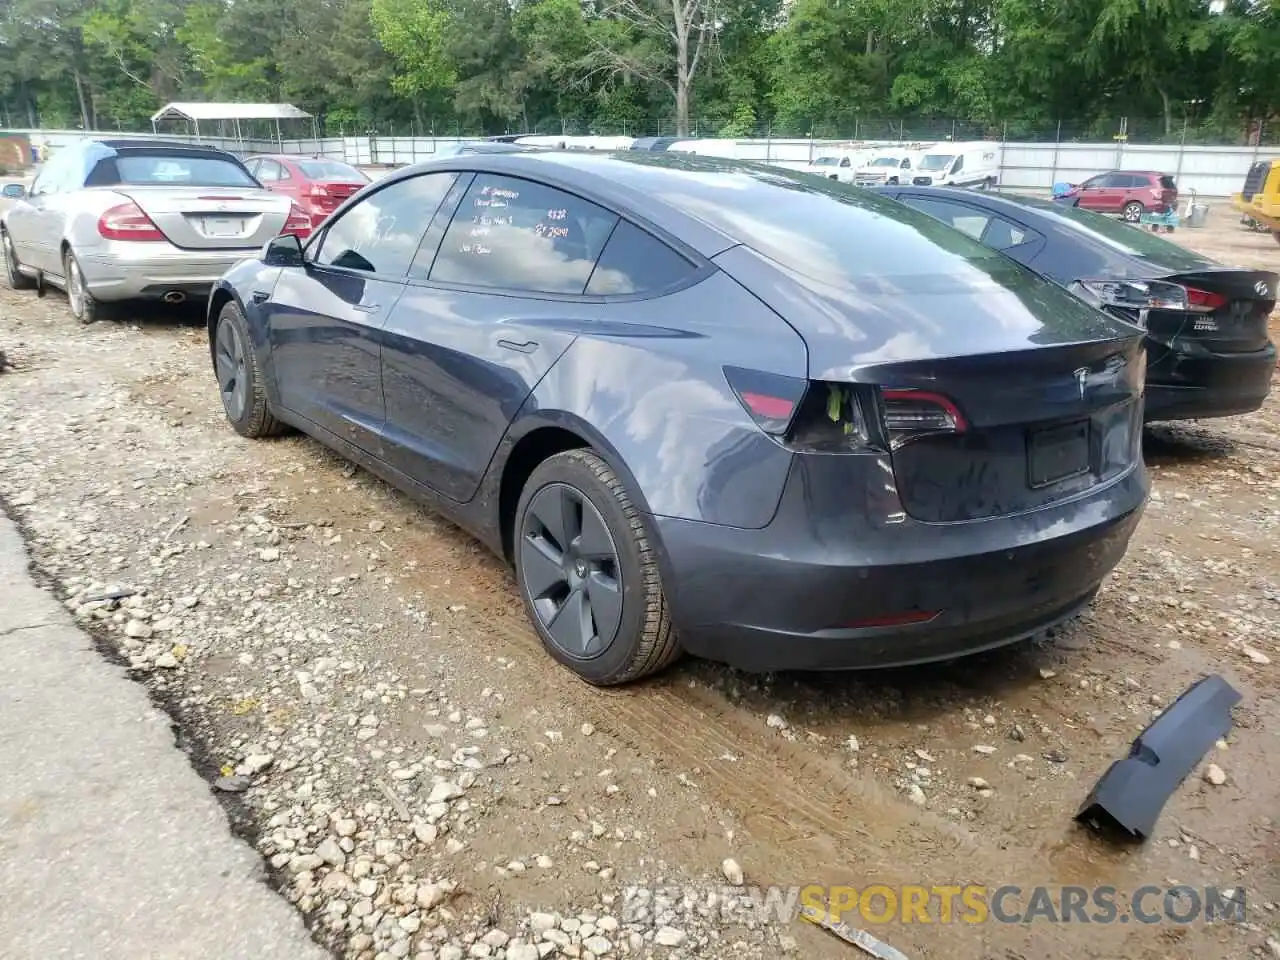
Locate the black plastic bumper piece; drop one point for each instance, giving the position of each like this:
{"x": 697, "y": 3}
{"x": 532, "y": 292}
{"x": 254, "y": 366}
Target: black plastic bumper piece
{"x": 1134, "y": 790}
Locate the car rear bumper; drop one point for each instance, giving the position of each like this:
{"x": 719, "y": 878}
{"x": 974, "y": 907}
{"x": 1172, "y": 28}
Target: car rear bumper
{"x": 130, "y": 271}
{"x": 833, "y": 594}
{"x": 1182, "y": 386}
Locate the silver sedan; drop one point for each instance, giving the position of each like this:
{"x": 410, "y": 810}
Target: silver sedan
{"x": 115, "y": 220}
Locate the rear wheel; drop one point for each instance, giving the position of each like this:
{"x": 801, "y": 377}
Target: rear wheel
{"x": 16, "y": 279}
{"x": 588, "y": 573}
{"x": 1132, "y": 212}
{"x": 244, "y": 399}
{"x": 83, "y": 305}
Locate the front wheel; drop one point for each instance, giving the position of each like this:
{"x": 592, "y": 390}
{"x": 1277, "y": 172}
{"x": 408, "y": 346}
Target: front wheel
{"x": 588, "y": 573}
{"x": 1132, "y": 212}
{"x": 16, "y": 279}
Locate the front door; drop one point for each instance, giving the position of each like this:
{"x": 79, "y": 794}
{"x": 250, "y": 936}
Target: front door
{"x": 325, "y": 319}
{"x": 494, "y": 300}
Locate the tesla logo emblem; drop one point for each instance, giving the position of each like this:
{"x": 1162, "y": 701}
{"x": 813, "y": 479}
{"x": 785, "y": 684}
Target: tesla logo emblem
{"x": 1261, "y": 289}
{"x": 1082, "y": 379}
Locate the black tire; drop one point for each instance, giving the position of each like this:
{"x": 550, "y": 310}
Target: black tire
{"x": 1275, "y": 235}
{"x": 1132, "y": 212}
{"x": 239, "y": 376}
{"x": 579, "y": 485}
{"x": 15, "y": 278}
{"x": 82, "y": 303}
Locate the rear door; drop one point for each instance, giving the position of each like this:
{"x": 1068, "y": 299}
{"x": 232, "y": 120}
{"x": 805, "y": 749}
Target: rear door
{"x": 324, "y": 319}
{"x": 494, "y": 300}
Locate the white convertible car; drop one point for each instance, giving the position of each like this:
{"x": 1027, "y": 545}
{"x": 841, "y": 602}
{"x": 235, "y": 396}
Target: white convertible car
{"x": 115, "y": 220}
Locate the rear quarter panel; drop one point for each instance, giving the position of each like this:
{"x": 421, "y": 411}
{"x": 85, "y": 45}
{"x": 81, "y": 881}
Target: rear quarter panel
{"x": 647, "y": 388}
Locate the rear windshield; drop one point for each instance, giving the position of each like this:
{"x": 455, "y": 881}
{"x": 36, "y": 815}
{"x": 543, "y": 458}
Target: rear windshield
{"x": 829, "y": 232}
{"x": 331, "y": 170}
{"x": 885, "y": 162}
{"x": 1168, "y": 183}
{"x": 161, "y": 169}
{"x": 827, "y": 161}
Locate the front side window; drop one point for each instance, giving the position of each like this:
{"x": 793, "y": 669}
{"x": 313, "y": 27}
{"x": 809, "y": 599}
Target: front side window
{"x": 959, "y": 165}
{"x": 964, "y": 218}
{"x": 380, "y": 234}
{"x": 513, "y": 234}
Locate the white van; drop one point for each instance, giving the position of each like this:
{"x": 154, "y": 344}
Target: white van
{"x": 959, "y": 165}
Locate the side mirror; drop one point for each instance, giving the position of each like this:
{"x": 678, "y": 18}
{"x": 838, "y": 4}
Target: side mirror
{"x": 283, "y": 251}
{"x": 14, "y": 191}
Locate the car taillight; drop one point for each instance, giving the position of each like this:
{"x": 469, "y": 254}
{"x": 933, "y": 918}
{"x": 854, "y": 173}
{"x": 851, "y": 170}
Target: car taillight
{"x": 315, "y": 191}
{"x": 823, "y": 417}
{"x": 126, "y": 221}
{"x": 1133, "y": 298}
{"x": 1204, "y": 301}
{"x": 299, "y": 222}
{"x": 909, "y": 414}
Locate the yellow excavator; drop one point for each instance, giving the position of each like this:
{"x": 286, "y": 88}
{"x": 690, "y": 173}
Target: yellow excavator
{"x": 1259, "y": 201}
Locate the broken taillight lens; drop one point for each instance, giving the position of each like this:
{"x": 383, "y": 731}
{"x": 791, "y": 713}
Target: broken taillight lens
{"x": 911, "y": 414}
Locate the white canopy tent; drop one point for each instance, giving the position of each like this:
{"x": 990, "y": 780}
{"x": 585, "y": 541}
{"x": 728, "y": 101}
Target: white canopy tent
{"x": 193, "y": 113}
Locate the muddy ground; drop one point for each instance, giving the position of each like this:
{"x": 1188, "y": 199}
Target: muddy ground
{"x": 425, "y": 782}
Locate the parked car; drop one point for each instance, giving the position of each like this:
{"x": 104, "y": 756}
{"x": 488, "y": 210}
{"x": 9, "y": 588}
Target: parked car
{"x": 1130, "y": 193}
{"x": 116, "y": 220}
{"x": 1208, "y": 353}
{"x": 974, "y": 165}
{"x": 315, "y": 184}
{"x": 706, "y": 405}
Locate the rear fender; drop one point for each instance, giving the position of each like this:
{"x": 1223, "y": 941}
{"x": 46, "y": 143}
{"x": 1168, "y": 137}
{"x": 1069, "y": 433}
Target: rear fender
{"x": 654, "y": 401}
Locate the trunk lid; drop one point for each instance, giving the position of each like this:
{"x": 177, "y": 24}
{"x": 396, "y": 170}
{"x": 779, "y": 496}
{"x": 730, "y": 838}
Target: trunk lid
{"x": 212, "y": 218}
{"x": 1041, "y": 426}
{"x": 1049, "y": 389}
{"x": 1241, "y": 301}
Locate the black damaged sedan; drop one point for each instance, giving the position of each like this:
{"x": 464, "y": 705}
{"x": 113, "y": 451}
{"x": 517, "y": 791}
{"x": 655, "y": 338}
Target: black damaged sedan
{"x": 1208, "y": 353}
{"x": 705, "y": 406}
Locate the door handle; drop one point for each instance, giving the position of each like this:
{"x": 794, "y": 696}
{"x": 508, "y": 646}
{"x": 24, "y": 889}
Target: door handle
{"x": 259, "y": 296}
{"x": 528, "y": 346}
{"x": 366, "y": 307}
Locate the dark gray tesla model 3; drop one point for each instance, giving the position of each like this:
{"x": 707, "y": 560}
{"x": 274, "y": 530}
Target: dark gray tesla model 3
{"x": 706, "y": 406}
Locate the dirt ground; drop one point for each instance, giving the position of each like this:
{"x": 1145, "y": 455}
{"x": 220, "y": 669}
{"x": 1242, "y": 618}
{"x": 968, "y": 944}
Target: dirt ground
{"x": 368, "y": 669}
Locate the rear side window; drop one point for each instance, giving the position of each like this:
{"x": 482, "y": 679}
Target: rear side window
{"x": 380, "y": 234}
{"x": 1002, "y": 234}
{"x": 270, "y": 171}
{"x": 964, "y": 218}
{"x": 636, "y": 262}
{"x": 180, "y": 170}
{"x": 513, "y": 234}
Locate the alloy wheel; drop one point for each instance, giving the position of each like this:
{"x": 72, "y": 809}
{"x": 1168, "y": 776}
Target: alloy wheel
{"x": 75, "y": 287}
{"x": 229, "y": 364}
{"x": 570, "y": 571}
{"x": 1133, "y": 212}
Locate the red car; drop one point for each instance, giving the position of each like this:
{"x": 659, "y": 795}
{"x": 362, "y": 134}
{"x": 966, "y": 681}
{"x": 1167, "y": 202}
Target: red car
{"x": 316, "y": 185}
{"x": 1130, "y": 193}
